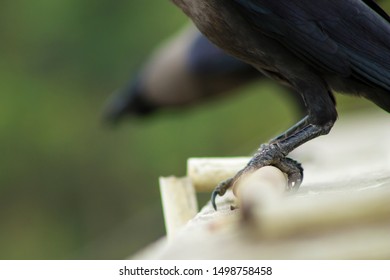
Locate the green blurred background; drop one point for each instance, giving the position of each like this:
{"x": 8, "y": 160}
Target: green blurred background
{"x": 73, "y": 188}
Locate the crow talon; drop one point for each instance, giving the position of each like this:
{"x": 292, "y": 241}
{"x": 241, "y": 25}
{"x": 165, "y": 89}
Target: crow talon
{"x": 220, "y": 190}
{"x": 294, "y": 172}
{"x": 267, "y": 154}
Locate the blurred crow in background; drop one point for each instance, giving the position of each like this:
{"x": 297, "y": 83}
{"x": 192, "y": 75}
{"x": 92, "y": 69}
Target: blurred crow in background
{"x": 312, "y": 47}
{"x": 186, "y": 70}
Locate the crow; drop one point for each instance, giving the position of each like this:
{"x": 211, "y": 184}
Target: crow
{"x": 185, "y": 71}
{"x": 312, "y": 47}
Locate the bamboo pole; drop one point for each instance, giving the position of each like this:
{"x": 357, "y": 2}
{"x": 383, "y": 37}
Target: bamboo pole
{"x": 260, "y": 189}
{"x": 206, "y": 173}
{"x": 178, "y": 201}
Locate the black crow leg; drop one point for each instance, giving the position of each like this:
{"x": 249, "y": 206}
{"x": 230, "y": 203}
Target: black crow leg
{"x": 322, "y": 115}
{"x": 275, "y": 154}
{"x": 298, "y": 126}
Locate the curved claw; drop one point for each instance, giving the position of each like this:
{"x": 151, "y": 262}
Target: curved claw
{"x": 294, "y": 182}
{"x": 220, "y": 190}
{"x": 214, "y": 195}
{"x": 294, "y": 171}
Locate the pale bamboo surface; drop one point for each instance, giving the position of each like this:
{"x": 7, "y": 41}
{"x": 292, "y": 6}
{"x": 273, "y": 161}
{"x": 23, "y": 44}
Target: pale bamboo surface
{"x": 341, "y": 211}
{"x": 206, "y": 173}
{"x": 178, "y": 201}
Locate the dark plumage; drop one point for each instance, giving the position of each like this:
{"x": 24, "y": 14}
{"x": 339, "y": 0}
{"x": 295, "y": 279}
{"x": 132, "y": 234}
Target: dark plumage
{"x": 313, "y": 47}
{"x": 185, "y": 71}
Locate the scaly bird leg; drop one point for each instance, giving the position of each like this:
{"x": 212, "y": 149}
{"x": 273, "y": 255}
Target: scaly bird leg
{"x": 275, "y": 154}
